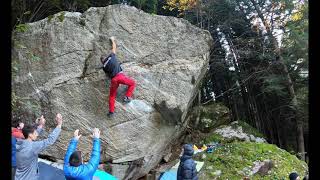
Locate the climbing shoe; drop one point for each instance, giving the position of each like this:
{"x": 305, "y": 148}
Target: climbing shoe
{"x": 126, "y": 99}
{"x": 110, "y": 115}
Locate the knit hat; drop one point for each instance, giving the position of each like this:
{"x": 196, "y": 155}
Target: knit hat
{"x": 188, "y": 149}
{"x": 293, "y": 176}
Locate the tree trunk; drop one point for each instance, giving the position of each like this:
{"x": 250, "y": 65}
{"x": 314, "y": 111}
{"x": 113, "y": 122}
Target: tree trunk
{"x": 199, "y": 109}
{"x": 288, "y": 78}
{"x": 301, "y": 141}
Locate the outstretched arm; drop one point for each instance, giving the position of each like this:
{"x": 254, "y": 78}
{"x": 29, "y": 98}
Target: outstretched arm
{"x": 95, "y": 154}
{"x": 38, "y": 146}
{"x": 72, "y": 146}
{"x": 114, "y": 46}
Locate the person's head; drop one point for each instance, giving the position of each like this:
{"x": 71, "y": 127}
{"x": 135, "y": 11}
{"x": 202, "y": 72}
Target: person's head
{"x": 188, "y": 149}
{"x": 102, "y": 58}
{"x": 29, "y": 132}
{"x": 76, "y": 159}
{"x": 20, "y": 125}
{"x": 294, "y": 176}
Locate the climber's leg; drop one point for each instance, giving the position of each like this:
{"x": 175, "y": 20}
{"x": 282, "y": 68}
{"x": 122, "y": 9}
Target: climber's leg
{"x": 129, "y": 82}
{"x": 113, "y": 92}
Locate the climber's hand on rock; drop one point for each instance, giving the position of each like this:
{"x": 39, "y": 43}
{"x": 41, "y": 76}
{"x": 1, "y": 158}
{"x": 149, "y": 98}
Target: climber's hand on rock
{"x": 59, "y": 119}
{"x": 112, "y": 38}
{"x": 76, "y": 134}
{"x": 96, "y": 133}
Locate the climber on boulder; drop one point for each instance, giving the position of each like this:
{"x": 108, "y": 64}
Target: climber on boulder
{"x": 113, "y": 69}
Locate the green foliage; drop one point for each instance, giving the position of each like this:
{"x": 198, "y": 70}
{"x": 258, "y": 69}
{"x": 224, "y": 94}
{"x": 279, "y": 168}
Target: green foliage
{"x": 30, "y": 11}
{"x": 235, "y": 160}
{"x": 61, "y": 16}
{"x": 75, "y": 5}
{"x": 22, "y": 27}
{"x": 303, "y": 103}
{"x": 50, "y": 18}
{"x": 33, "y": 57}
{"x": 274, "y": 83}
{"x": 138, "y": 3}
{"x": 115, "y": 1}
{"x": 150, "y": 6}
{"x": 214, "y": 138}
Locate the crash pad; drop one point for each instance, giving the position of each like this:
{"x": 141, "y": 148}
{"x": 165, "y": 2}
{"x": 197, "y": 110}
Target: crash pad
{"x": 198, "y": 166}
{"x": 169, "y": 175}
{"x": 48, "y": 172}
{"x": 101, "y": 175}
{"x": 53, "y": 171}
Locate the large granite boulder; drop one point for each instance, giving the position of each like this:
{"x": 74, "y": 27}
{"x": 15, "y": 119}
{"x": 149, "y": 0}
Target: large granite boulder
{"x": 55, "y": 69}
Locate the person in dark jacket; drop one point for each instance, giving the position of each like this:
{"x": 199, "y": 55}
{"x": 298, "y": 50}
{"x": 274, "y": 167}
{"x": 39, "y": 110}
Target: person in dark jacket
{"x": 187, "y": 167}
{"x": 113, "y": 69}
{"x": 74, "y": 168}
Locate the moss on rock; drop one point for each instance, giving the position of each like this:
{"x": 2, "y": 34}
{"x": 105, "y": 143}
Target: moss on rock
{"x": 236, "y": 160}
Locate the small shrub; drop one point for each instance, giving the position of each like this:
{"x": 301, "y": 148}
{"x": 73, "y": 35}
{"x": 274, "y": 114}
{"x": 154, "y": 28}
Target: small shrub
{"x": 61, "y": 16}
{"x": 21, "y": 28}
{"x": 50, "y": 18}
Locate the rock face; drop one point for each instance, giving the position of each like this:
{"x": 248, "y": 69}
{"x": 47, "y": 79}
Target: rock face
{"x": 235, "y": 131}
{"x": 55, "y": 64}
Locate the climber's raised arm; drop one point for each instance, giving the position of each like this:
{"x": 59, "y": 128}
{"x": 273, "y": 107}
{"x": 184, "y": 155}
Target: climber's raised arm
{"x": 114, "y": 46}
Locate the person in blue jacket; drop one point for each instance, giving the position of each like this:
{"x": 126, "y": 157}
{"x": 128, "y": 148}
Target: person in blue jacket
{"x": 13, "y": 156}
{"x": 187, "y": 167}
{"x": 74, "y": 168}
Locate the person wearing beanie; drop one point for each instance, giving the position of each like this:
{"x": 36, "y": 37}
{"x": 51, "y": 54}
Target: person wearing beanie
{"x": 74, "y": 168}
{"x": 187, "y": 167}
{"x": 294, "y": 176}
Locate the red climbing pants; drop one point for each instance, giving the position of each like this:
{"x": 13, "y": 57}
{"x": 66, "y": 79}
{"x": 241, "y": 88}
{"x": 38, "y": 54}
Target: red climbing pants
{"x": 120, "y": 78}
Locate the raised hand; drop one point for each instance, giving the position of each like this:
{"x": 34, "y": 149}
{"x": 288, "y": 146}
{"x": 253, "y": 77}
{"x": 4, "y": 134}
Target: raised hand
{"x": 42, "y": 121}
{"x": 96, "y": 133}
{"x": 59, "y": 119}
{"x": 76, "y": 134}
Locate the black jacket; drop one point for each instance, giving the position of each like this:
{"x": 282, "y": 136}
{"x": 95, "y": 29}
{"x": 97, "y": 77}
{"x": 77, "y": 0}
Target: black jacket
{"x": 111, "y": 66}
